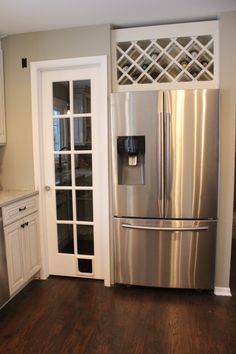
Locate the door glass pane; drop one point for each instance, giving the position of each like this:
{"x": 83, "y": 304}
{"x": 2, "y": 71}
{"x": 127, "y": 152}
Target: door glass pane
{"x": 82, "y": 96}
{"x": 65, "y": 238}
{"x": 61, "y": 133}
{"x": 84, "y": 205}
{"x": 61, "y": 98}
{"x": 62, "y": 170}
{"x": 83, "y": 170}
{"x": 85, "y": 265}
{"x": 82, "y": 133}
{"x": 64, "y": 205}
{"x": 85, "y": 239}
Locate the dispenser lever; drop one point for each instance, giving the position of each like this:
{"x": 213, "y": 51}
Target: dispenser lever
{"x": 132, "y": 160}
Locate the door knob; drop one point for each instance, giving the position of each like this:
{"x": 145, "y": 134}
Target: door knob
{"x": 47, "y": 188}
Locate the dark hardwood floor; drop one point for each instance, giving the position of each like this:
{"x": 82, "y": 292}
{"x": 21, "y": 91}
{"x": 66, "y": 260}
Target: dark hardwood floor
{"x": 66, "y": 315}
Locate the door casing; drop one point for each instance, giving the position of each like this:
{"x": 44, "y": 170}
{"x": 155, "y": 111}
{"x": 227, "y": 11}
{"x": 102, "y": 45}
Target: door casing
{"x": 37, "y": 68}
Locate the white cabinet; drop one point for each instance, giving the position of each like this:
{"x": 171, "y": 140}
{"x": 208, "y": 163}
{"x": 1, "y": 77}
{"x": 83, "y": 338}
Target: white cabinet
{"x": 22, "y": 243}
{"x": 178, "y": 56}
{"x": 31, "y": 245}
{"x": 15, "y": 255}
{"x": 2, "y": 103}
{"x": 18, "y": 210}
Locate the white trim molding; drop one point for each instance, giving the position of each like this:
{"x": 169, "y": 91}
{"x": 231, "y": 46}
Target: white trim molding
{"x": 220, "y": 291}
{"x": 37, "y": 70}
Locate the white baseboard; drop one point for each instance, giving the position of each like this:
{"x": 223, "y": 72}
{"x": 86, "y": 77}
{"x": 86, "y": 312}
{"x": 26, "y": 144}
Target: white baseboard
{"x": 219, "y": 291}
{"x": 43, "y": 276}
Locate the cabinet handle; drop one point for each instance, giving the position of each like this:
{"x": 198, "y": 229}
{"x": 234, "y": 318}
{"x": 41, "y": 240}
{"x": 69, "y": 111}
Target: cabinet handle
{"x": 26, "y": 223}
{"x": 23, "y": 225}
{"x": 22, "y": 209}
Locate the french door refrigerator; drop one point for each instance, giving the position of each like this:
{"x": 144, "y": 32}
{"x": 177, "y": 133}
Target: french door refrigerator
{"x": 165, "y": 187}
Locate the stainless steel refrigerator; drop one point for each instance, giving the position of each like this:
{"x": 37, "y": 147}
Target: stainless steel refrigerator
{"x": 165, "y": 187}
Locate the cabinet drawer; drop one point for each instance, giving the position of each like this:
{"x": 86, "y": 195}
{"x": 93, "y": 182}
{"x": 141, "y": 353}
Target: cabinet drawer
{"x": 19, "y": 209}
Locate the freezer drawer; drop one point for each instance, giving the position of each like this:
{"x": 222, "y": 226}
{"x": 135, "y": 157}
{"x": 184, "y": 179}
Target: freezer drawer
{"x": 165, "y": 253}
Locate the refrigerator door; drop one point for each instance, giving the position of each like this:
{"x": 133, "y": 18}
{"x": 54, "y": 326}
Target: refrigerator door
{"x": 137, "y": 154}
{"x": 165, "y": 253}
{"x": 191, "y": 153}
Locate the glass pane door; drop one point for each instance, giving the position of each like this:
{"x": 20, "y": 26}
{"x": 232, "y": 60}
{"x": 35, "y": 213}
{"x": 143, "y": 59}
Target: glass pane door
{"x": 73, "y": 165}
{"x": 74, "y": 137}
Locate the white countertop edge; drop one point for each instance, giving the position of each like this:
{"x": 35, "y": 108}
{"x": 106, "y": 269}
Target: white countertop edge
{"x": 10, "y": 196}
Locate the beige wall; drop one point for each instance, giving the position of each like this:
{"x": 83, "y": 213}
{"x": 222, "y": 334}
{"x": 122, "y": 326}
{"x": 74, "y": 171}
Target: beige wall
{"x": 227, "y": 145}
{"x": 16, "y": 158}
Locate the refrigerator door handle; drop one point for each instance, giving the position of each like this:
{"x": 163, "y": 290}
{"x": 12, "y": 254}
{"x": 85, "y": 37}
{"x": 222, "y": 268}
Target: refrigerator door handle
{"x": 139, "y": 227}
{"x": 168, "y": 176}
{"x": 160, "y": 159}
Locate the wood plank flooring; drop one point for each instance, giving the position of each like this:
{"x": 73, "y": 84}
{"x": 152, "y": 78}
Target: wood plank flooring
{"x": 66, "y": 315}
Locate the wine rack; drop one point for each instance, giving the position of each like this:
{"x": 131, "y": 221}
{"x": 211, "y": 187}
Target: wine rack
{"x": 180, "y": 61}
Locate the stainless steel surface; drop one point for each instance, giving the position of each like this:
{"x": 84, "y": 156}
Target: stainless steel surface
{"x": 141, "y": 227}
{"x": 169, "y": 258}
{"x": 135, "y": 114}
{"x": 191, "y": 154}
{"x": 169, "y": 242}
{"x": 4, "y": 285}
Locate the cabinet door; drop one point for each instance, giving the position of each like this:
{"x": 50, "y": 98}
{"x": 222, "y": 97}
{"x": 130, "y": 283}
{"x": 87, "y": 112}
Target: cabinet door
{"x": 15, "y": 255}
{"x": 31, "y": 241}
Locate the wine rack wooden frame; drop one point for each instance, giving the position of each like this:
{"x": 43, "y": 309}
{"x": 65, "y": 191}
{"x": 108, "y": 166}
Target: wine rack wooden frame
{"x": 166, "y": 57}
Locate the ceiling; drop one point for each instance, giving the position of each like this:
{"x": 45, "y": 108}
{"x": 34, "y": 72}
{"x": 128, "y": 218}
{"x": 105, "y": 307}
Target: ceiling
{"x": 37, "y": 15}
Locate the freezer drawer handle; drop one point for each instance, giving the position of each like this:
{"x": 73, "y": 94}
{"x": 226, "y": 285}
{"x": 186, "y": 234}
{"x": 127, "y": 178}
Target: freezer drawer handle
{"x": 199, "y": 228}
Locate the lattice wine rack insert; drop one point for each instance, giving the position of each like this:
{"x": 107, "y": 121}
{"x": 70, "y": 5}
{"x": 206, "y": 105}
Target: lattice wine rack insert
{"x": 182, "y": 59}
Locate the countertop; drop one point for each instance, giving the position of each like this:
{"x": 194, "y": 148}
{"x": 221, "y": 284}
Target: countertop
{"x": 11, "y": 196}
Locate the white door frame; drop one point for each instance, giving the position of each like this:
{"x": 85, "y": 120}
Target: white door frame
{"x": 37, "y": 69}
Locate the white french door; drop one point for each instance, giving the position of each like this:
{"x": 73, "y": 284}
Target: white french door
{"x": 75, "y": 170}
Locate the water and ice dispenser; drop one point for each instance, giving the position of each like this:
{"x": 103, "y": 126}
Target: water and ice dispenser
{"x": 131, "y": 160}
